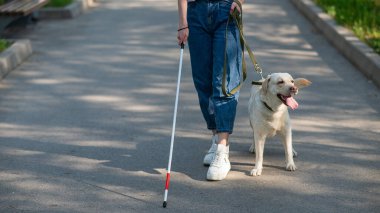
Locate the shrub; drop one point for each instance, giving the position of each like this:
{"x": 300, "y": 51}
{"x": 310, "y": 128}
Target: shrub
{"x": 361, "y": 16}
{"x": 4, "y": 44}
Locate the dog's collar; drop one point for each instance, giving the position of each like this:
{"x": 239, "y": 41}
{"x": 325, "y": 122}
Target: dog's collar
{"x": 268, "y": 107}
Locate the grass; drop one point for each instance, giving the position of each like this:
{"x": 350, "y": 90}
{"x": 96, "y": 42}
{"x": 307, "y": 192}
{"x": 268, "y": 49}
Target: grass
{"x": 361, "y": 16}
{"x": 59, "y": 3}
{"x": 4, "y": 44}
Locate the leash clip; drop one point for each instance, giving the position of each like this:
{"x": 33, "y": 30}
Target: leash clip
{"x": 259, "y": 70}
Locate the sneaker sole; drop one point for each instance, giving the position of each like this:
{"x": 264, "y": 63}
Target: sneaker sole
{"x": 216, "y": 178}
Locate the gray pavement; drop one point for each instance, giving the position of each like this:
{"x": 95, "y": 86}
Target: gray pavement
{"x": 85, "y": 123}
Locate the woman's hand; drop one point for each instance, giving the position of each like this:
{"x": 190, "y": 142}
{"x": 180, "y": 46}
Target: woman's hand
{"x": 182, "y": 35}
{"x": 235, "y": 5}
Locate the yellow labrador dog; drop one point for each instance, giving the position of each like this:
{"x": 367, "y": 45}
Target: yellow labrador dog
{"x": 268, "y": 114}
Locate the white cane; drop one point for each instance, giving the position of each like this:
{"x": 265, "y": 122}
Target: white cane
{"x": 173, "y": 130}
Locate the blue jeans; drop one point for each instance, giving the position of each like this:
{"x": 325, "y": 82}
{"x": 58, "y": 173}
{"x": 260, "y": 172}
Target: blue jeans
{"x": 207, "y": 21}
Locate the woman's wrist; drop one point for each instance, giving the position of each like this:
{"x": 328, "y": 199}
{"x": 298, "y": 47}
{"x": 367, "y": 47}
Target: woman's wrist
{"x": 182, "y": 24}
{"x": 182, "y": 28}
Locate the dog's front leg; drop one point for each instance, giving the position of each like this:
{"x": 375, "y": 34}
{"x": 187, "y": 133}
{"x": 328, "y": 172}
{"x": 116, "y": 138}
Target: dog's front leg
{"x": 252, "y": 148}
{"x": 259, "y": 148}
{"x": 286, "y": 137}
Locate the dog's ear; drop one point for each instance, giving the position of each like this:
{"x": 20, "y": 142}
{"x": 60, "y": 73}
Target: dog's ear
{"x": 264, "y": 87}
{"x": 301, "y": 82}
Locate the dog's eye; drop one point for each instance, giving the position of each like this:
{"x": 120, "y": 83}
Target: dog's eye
{"x": 280, "y": 82}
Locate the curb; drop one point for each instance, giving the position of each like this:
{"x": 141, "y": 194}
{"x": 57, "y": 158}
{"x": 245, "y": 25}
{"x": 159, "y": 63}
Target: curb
{"x": 70, "y": 11}
{"x": 356, "y": 51}
{"x": 13, "y": 56}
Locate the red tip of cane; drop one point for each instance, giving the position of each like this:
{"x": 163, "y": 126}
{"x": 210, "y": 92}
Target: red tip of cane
{"x": 167, "y": 181}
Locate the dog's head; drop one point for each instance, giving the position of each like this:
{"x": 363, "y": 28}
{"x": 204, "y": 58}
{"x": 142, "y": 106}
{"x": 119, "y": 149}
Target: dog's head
{"x": 284, "y": 87}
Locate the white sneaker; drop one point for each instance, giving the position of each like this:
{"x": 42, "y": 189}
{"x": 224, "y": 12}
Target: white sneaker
{"x": 220, "y": 166}
{"x": 211, "y": 152}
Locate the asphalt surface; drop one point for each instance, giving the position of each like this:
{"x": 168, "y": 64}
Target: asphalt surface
{"x": 85, "y": 123}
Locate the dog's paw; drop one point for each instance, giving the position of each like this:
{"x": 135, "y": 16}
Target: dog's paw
{"x": 252, "y": 149}
{"x": 291, "y": 167}
{"x": 256, "y": 172}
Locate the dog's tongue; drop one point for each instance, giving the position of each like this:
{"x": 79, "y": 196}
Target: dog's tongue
{"x": 290, "y": 102}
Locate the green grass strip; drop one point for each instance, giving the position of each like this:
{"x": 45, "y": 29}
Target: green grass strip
{"x": 361, "y": 16}
{"x": 59, "y": 3}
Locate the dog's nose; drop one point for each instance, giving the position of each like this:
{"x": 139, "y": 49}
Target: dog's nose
{"x": 293, "y": 89}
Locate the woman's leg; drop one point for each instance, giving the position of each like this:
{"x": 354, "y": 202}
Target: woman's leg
{"x": 201, "y": 48}
{"x": 225, "y": 107}
{"x": 225, "y": 41}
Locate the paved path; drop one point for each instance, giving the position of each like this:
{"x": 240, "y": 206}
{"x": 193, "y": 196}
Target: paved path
{"x": 85, "y": 123}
